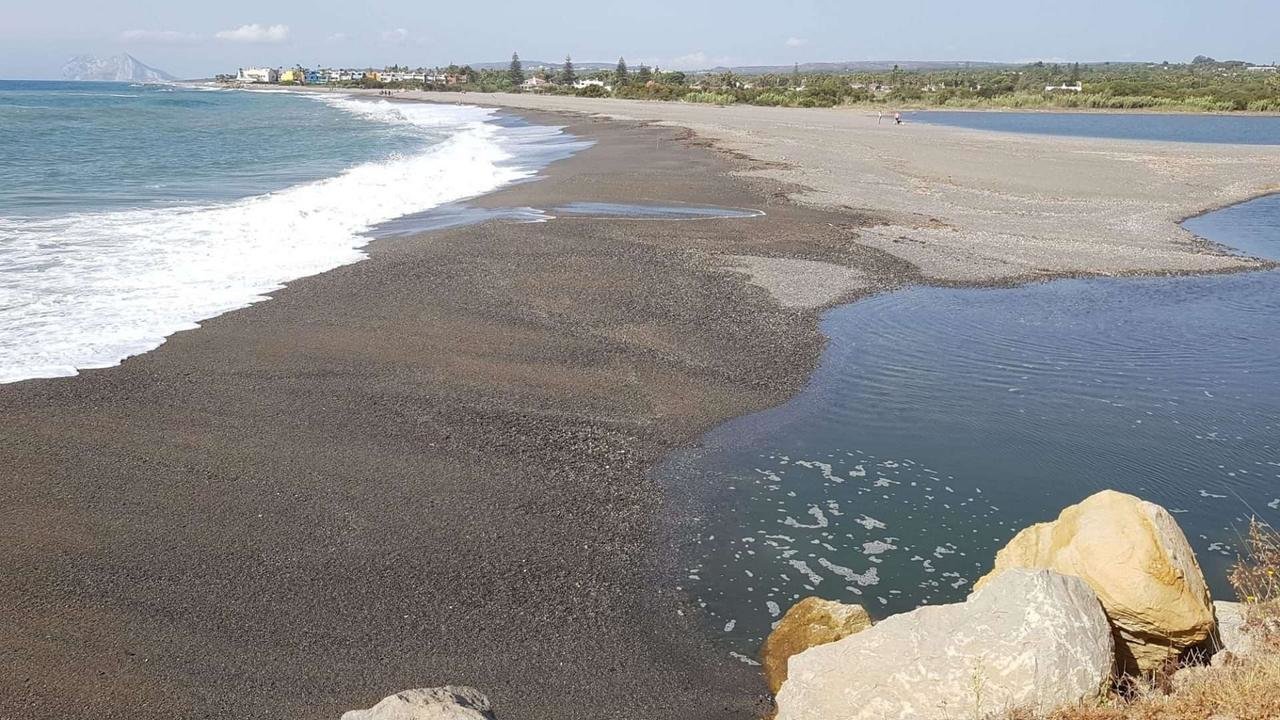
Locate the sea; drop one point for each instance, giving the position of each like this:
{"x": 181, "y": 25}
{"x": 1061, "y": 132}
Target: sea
{"x": 941, "y": 421}
{"x": 129, "y": 212}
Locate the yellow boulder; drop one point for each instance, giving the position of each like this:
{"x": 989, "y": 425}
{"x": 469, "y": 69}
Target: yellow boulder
{"x": 810, "y": 622}
{"x": 1135, "y": 557}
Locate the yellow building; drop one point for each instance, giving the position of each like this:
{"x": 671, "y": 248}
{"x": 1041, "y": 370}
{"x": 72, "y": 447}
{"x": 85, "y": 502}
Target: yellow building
{"x": 295, "y": 75}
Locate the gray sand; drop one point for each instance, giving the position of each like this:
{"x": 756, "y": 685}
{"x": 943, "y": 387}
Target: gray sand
{"x": 428, "y": 467}
{"x": 431, "y": 467}
{"x": 968, "y": 206}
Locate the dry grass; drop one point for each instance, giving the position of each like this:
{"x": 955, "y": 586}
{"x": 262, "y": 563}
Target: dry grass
{"x": 1256, "y": 580}
{"x": 1245, "y": 688}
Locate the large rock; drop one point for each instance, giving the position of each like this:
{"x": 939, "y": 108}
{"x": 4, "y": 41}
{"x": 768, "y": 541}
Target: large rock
{"x": 810, "y": 622}
{"x": 1233, "y": 640}
{"x": 443, "y": 703}
{"x": 1029, "y": 639}
{"x": 1135, "y": 557}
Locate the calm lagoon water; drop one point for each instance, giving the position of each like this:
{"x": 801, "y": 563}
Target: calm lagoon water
{"x": 942, "y": 421}
{"x": 1239, "y": 129}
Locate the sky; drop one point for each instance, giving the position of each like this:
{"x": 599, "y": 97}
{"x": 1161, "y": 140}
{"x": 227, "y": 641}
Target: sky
{"x": 198, "y": 39}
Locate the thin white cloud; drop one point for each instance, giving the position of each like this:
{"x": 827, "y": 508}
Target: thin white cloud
{"x": 256, "y": 33}
{"x": 159, "y": 37}
{"x": 398, "y": 35}
{"x": 338, "y": 37}
{"x": 795, "y": 42}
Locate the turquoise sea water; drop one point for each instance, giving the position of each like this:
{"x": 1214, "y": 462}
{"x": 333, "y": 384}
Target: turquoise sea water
{"x": 76, "y": 147}
{"x": 129, "y": 212}
{"x": 941, "y": 421}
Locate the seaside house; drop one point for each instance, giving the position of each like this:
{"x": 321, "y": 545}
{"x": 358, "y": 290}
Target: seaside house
{"x": 315, "y": 77}
{"x": 1064, "y": 87}
{"x": 580, "y": 84}
{"x": 294, "y": 75}
{"x": 258, "y": 76}
{"x": 396, "y": 76}
{"x": 534, "y": 83}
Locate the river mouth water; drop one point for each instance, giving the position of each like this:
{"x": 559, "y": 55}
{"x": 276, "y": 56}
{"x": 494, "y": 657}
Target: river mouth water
{"x": 942, "y": 421}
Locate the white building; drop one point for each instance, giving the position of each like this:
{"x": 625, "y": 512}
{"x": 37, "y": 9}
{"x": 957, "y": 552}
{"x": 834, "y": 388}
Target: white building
{"x": 533, "y": 83}
{"x": 389, "y": 76}
{"x": 258, "y": 75}
{"x": 1076, "y": 87}
{"x": 1261, "y": 68}
{"x": 588, "y": 83}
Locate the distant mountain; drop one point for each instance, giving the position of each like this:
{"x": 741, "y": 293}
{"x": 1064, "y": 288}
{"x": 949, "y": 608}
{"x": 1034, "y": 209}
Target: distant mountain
{"x": 117, "y": 68}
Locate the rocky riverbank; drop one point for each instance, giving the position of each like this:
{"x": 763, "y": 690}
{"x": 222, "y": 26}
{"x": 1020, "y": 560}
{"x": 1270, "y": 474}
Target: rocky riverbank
{"x": 1079, "y": 616}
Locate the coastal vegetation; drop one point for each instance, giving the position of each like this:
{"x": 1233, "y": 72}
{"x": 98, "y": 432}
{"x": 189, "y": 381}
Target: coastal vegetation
{"x": 1202, "y": 85}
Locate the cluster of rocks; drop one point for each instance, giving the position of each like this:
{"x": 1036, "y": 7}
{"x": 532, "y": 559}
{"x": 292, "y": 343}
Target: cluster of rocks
{"x": 1110, "y": 587}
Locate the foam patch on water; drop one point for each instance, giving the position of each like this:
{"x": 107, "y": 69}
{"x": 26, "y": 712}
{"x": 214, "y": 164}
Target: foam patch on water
{"x": 89, "y": 290}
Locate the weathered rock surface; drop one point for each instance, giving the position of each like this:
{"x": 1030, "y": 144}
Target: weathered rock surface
{"x": 1232, "y": 639}
{"x": 1135, "y": 557}
{"x": 1032, "y": 639}
{"x": 443, "y": 703}
{"x": 809, "y": 623}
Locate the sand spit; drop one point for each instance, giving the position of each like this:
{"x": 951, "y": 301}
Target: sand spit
{"x": 971, "y": 206}
{"x": 427, "y": 467}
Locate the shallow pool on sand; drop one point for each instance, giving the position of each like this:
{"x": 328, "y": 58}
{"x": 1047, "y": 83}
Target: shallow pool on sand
{"x": 941, "y": 421}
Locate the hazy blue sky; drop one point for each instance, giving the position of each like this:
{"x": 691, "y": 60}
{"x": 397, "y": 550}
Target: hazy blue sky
{"x": 200, "y": 38}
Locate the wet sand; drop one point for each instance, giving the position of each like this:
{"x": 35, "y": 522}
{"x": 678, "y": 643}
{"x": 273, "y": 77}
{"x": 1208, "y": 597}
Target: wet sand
{"x": 429, "y": 467}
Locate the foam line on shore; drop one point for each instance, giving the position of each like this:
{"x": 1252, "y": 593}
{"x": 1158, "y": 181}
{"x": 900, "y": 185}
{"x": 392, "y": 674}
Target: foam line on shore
{"x": 89, "y": 290}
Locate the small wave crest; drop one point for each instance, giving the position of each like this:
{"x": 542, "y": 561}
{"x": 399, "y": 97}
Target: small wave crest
{"x": 89, "y": 290}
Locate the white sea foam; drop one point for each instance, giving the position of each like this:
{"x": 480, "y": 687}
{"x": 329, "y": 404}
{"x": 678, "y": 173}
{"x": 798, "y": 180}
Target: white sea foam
{"x": 89, "y": 290}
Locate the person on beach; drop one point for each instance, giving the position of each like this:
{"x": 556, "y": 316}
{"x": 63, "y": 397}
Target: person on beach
{"x": 879, "y": 117}
{"x": 897, "y": 118}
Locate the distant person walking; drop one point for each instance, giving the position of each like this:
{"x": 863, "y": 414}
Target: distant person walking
{"x": 879, "y": 117}
{"x": 897, "y": 118}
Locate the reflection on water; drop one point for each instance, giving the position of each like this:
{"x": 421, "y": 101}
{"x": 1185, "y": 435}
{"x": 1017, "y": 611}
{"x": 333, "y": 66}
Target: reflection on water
{"x": 941, "y": 421}
{"x": 461, "y": 214}
{"x": 1173, "y": 127}
{"x": 654, "y": 212}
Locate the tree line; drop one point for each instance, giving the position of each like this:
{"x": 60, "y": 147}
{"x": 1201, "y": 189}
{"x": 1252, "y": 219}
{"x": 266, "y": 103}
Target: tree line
{"x": 1202, "y": 85}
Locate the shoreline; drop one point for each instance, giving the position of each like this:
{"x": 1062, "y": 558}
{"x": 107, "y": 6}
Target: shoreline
{"x": 868, "y": 107}
{"x": 426, "y": 467}
{"x": 969, "y": 205}
{"x": 673, "y": 346}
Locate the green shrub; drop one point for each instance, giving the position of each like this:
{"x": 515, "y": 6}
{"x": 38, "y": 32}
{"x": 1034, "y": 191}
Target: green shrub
{"x": 710, "y": 98}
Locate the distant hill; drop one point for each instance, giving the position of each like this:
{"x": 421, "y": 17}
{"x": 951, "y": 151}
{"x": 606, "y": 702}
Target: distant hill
{"x": 535, "y": 64}
{"x": 117, "y": 68}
